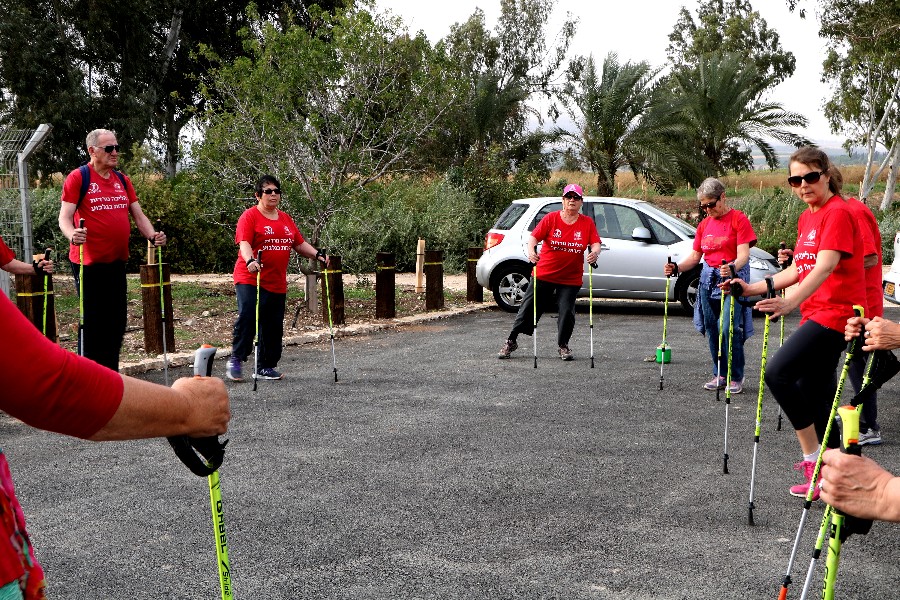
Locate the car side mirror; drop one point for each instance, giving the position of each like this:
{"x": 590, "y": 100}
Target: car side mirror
{"x": 641, "y": 234}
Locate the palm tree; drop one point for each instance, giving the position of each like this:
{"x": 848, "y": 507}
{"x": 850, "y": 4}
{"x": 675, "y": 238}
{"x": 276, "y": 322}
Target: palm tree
{"x": 621, "y": 122}
{"x": 720, "y": 99}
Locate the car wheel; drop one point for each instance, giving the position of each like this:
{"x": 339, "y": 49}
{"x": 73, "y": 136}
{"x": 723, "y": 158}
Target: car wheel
{"x": 510, "y": 286}
{"x": 687, "y": 292}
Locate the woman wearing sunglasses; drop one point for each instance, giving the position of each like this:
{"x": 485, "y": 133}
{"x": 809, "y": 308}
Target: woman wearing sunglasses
{"x": 265, "y": 228}
{"x": 828, "y": 261}
{"x": 725, "y": 234}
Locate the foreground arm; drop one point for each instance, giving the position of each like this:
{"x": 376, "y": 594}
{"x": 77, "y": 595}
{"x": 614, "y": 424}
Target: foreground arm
{"x": 197, "y": 407}
{"x": 858, "y": 486}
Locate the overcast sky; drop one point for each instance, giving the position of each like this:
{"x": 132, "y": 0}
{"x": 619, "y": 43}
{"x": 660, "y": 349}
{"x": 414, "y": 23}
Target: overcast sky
{"x": 638, "y": 30}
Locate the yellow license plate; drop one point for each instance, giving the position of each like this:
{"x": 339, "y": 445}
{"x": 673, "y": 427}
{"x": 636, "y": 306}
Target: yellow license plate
{"x": 889, "y": 289}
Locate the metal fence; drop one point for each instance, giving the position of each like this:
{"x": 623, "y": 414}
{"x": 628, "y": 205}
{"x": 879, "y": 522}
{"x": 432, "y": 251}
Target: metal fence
{"x": 16, "y": 145}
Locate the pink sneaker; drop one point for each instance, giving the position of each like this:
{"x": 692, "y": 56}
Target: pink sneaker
{"x": 807, "y": 467}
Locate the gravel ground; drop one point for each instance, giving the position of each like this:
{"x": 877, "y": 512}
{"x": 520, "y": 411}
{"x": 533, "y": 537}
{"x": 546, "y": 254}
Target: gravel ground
{"x": 432, "y": 470}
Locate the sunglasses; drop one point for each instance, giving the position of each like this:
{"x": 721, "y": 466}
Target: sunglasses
{"x": 710, "y": 204}
{"x": 272, "y": 191}
{"x": 811, "y": 177}
{"x": 109, "y": 149}
{"x": 572, "y": 197}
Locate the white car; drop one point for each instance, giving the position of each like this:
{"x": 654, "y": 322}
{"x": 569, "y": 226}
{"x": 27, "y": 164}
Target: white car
{"x": 638, "y": 239}
{"x": 890, "y": 282}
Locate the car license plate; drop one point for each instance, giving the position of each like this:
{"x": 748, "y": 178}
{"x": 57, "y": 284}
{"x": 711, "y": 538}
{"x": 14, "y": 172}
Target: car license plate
{"x": 889, "y": 289}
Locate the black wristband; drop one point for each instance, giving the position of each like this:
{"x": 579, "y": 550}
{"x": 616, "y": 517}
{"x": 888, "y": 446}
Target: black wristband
{"x": 250, "y": 260}
{"x": 675, "y": 270}
{"x": 38, "y": 270}
{"x": 320, "y": 253}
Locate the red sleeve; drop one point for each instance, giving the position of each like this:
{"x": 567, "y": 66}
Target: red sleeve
{"x": 245, "y": 228}
{"x": 543, "y": 228}
{"x": 51, "y": 388}
{"x": 6, "y": 255}
{"x": 838, "y": 230}
{"x": 744, "y": 230}
{"x": 72, "y": 187}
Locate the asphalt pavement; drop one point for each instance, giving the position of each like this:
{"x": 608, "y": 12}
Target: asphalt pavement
{"x": 432, "y": 470}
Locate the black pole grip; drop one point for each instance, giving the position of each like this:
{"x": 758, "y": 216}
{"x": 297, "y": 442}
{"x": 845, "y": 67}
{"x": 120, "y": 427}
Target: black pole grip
{"x": 203, "y": 456}
{"x": 47, "y": 253}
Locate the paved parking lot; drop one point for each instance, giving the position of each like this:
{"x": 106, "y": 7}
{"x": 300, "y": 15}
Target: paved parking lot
{"x": 433, "y": 470}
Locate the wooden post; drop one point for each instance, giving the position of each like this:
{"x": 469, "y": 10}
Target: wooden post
{"x": 474, "y": 292}
{"x": 335, "y": 292}
{"x": 385, "y": 285}
{"x": 434, "y": 279}
{"x": 420, "y": 261}
{"x": 30, "y": 299}
{"x": 153, "y": 330}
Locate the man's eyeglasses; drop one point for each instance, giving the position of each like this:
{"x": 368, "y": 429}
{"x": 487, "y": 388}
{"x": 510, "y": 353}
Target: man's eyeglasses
{"x": 272, "y": 191}
{"x": 710, "y": 204}
{"x": 109, "y": 149}
{"x": 572, "y": 197}
{"x": 811, "y": 177}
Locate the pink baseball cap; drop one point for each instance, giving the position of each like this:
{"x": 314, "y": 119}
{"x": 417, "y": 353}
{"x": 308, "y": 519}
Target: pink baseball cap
{"x": 574, "y": 187}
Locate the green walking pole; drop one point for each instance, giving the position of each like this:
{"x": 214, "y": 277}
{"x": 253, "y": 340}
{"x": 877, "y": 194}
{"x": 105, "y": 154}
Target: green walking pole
{"x": 721, "y": 324}
{"x": 534, "y": 312}
{"x": 781, "y": 341}
{"x": 759, "y": 402}
{"x": 591, "y": 267}
{"x": 162, "y": 304}
{"x": 81, "y": 293}
{"x": 842, "y": 526}
{"x": 728, "y": 376}
{"x": 47, "y": 253}
{"x": 330, "y": 323}
{"x": 807, "y": 504}
{"x": 256, "y": 335}
{"x": 663, "y": 353}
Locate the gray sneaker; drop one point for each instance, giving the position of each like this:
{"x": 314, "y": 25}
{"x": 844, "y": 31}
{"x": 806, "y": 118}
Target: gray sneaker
{"x": 871, "y": 437}
{"x": 508, "y": 348}
{"x": 565, "y": 353}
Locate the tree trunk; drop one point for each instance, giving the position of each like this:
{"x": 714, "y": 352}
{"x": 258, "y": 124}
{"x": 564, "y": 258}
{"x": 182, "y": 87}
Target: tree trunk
{"x": 888, "y": 198}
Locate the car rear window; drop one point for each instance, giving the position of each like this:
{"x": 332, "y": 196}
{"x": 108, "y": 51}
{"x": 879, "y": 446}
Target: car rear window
{"x": 510, "y": 216}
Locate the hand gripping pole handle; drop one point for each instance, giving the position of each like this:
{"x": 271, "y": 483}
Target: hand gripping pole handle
{"x": 736, "y": 288}
{"x": 848, "y": 421}
{"x": 203, "y": 456}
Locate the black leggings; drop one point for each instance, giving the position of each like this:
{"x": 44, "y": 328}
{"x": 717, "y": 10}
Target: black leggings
{"x": 802, "y": 375}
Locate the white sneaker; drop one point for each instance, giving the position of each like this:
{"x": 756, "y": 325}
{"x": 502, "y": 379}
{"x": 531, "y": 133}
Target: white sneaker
{"x": 871, "y": 437}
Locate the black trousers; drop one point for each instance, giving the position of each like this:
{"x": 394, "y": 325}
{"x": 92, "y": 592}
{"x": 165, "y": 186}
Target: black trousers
{"x": 105, "y": 310}
{"x": 271, "y": 325}
{"x": 565, "y": 296}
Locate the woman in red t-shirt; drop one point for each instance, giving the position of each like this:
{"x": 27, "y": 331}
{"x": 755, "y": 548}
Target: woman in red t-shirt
{"x": 264, "y": 227}
{"x": 559, "y": 269}
{"x": 828, "y": 260}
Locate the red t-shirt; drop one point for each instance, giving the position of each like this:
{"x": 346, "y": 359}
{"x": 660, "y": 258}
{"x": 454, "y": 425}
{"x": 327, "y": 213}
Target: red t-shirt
{"x": 718, "y": 238}
{"x": 562, "y": 255}
{"x": 276, "y": 238}
{"x": 105, "y": 213}
{"x": 868, "y": 229}
{"x": 6, "y": 255}
{"x": 831, "y": 228}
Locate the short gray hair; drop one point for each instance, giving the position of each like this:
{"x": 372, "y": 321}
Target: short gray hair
{"x": 92, "y": 137}
{"x": 710, "y": 188}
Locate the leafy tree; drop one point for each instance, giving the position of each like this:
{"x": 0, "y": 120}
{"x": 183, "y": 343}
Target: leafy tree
{"x": 621, "y": 122}
{"x": 729, "y": 26}
{"x": 721, "y": 101}
{"x": 327, "y": 111}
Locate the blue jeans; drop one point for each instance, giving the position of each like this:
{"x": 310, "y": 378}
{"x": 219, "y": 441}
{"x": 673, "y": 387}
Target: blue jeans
{"x": 710, "y": 307}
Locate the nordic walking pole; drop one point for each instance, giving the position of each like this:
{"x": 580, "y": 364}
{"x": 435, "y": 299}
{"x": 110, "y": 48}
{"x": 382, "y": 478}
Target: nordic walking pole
{"x": 759, "y": 402}
{"x": 81, "y": 293}
{"x": 843, "y": 525}
{"x": 662, "y": 347}
{"x": 204, "y": 456}
{"x": 330, "y": 324}
{"x": 47, "y": 253}
{"x": 817, "y": 550}
{"x": 534, "y": 312}
{"x": 721, "y": 322}
{"x": 162, "y": 304}
{"x": 591, "y": 267}
{"x": 783, "y": 246}
{"x": 848, "y": 357}
{"x": 728, "y": 376}
{"x": 256, "y": 335}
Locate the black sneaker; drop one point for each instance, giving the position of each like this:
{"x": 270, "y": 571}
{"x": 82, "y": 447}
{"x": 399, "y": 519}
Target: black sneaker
{"x": 508, "y": 348}
{"x": 565, "y": 353}
{"x": 268, "y": 373}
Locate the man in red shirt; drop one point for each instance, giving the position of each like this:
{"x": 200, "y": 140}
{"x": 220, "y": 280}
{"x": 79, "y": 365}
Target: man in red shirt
{"x": 107, "y": 206}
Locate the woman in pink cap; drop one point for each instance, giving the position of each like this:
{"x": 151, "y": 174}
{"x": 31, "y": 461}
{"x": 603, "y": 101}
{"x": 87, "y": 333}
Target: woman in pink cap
{"x": 559, "y": 269}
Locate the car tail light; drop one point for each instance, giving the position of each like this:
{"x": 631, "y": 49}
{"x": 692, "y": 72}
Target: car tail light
{"x": 492, "y": 239}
